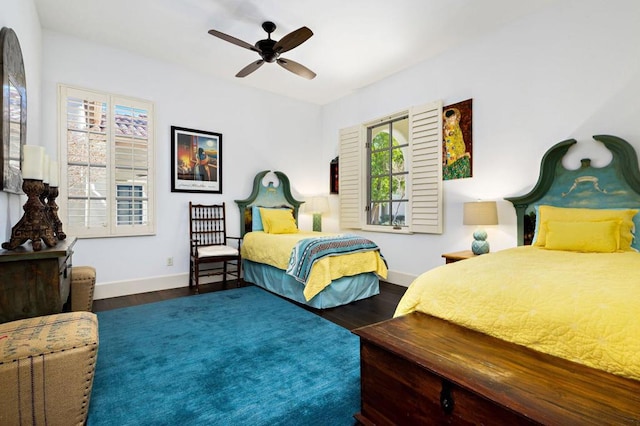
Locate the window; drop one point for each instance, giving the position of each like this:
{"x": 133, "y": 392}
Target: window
{"x": 387, "y": 172}
{"x": 107, "y": 147}
{"x": 130, "y": 205}
{"x": 391, "y": 172}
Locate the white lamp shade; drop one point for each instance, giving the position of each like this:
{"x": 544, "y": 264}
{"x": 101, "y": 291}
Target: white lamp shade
{"x": 318, "y": 204}
{"x": 480, "y": 213}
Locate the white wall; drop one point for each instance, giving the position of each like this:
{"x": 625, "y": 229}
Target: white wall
{"x": 569, "y": 71}
{"x": 572, "y": 70}
{"x": 260, "y": 131}
{"x": 22, "y": 17}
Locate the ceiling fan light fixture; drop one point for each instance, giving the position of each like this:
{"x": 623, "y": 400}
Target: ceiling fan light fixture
{"x": 270, "y": 50}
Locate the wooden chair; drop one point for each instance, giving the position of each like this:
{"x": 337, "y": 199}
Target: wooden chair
{"x": 208, "y": 239}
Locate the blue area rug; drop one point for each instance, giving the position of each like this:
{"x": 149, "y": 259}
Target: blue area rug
{"x": 234, "y": 357}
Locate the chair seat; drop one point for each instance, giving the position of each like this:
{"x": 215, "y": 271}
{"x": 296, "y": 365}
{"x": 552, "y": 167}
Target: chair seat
{"x": 210, "y": 251}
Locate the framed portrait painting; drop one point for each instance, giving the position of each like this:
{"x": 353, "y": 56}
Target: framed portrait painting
{"x": 457, "y": 146}
{"x": 196, "y": 161}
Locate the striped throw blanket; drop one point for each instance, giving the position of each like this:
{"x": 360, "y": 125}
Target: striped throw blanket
{"x": 309, "y": 250}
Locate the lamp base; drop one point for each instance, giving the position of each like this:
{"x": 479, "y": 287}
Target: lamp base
{"x": 480, "y": 244}
{"x": 317, "y": 222}
{"x": 480, "y": 247}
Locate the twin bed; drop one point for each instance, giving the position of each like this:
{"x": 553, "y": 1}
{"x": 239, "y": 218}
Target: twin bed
{"x": 544, "y": 333}
{"x": 320, "y": 270}
{"x": 563, "y": 308}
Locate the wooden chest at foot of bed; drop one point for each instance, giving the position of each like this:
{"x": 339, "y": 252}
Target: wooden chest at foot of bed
{"x": 418, "y": 369}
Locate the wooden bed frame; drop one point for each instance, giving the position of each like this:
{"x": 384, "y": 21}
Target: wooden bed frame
{"x": 616, "y": 185}
{"x": 274, "y": 190}
{"x": 267, "y": 192}
{"x": 418, "y": 369}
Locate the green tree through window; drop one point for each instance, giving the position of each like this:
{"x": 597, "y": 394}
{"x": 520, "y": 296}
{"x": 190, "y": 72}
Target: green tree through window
{"x": 387, "y": 197}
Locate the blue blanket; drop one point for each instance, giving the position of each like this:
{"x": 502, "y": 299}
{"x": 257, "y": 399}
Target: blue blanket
{"x": 309, "y": 250}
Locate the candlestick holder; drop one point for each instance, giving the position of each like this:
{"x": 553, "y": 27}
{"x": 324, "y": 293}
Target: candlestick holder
{"x": 34, "y": 224}
{"x": 56, "y": 223}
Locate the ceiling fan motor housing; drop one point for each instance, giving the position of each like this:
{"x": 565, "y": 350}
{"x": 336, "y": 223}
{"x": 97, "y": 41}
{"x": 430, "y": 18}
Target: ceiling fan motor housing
{"x": 266, "y": 50}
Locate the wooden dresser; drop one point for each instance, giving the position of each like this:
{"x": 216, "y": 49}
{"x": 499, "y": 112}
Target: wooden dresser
{"x": 34, "y": 283}
{"x": 418, "y": 369}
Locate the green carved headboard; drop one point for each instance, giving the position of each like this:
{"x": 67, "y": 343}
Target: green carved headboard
{"x": 616, "y": 185}
{"x": 270, "y": 189}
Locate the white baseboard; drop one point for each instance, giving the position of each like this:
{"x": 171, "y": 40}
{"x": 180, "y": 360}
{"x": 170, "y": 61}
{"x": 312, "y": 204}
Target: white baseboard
{"x": 145, "y": 285}
{"x": 400, "y": 278}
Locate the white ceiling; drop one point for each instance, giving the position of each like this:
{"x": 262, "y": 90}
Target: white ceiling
{"x": 355, "y": 42}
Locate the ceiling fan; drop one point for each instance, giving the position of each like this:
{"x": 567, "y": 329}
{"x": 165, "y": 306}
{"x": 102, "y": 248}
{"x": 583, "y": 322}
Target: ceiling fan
{"x": 270, "y": 50}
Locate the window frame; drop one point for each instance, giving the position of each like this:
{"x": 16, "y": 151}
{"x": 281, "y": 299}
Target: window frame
{"x": 113, "y": 197}
{"x": 389, "y": 121}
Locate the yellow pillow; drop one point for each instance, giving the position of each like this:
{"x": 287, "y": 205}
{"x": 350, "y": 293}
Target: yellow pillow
{"x": 282, "y": 226}
{"x": 273, "y": 215}
{"x": 587, "y": 237}
{"x": 562, "y": 214}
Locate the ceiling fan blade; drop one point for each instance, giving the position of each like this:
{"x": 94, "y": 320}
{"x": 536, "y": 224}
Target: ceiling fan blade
{"x": 250, "y": 68}
{"x": 236, "y": 41}
{"x": 296, "y": 68}
{"x": 292, "y": 40}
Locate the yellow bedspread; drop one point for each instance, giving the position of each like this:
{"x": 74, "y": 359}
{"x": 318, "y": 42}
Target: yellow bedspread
{"x": 275, "y": 250}
{"x": 584, "y": 307}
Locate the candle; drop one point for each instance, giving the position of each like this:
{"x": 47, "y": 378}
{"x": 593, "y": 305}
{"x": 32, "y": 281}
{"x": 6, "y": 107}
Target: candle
{"x": 53, "y": 173}
{"x": 45, "y": 169}
{"x": 32, "y": 162}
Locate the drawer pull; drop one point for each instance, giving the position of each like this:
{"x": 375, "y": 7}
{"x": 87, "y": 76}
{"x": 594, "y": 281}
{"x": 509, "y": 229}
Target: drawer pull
{"x": 446, "y": 399}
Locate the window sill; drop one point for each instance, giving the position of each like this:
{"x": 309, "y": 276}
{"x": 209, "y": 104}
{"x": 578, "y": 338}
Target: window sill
{"x": 387, "y": 229}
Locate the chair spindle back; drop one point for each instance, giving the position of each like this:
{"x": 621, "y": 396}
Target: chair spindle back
{"x": 207, "y": 224}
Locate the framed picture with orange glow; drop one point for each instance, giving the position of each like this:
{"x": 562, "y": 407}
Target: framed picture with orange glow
{"x": 196, "y": 161}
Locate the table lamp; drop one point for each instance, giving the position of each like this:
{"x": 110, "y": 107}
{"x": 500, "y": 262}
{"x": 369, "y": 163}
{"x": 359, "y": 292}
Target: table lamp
{"x": 317, "y": 206}
{"x": 480, "y": 213}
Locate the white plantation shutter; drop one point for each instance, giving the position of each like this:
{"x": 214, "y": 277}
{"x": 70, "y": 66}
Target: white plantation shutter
{"x": 106, "y": 146}
{"x": 425, "y": 175}
{"x": 84, "y": 183}
{"x": 131, "y": 163}
{"x": 350, "y": 178}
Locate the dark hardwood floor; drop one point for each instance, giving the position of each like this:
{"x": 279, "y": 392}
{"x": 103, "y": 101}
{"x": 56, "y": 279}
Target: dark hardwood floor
{"x": 351, "y": 316}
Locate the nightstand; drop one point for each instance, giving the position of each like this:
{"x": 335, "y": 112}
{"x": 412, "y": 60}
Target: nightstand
{"x": 458, "y": 255}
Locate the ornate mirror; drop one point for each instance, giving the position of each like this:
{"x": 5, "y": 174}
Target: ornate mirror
{"x": 13, "y": 126}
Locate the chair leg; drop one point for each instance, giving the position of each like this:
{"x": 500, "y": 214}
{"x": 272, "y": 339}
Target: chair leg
{"x": 196, "y": 276}
{"x": 224, "y": 273}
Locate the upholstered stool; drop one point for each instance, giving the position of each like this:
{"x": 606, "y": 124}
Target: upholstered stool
{"x": 83, "y": 283}
{"x": 47, "y": 366}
